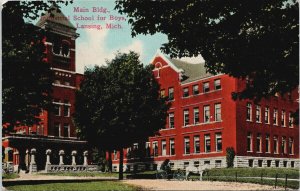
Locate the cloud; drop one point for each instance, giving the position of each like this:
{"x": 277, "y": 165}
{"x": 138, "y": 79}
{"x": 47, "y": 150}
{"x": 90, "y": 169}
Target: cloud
{"x": 193, "y": 60}
{"x": 93, "y": 50}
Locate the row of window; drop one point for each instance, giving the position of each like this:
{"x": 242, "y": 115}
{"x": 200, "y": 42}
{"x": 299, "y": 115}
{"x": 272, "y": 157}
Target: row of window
{"x": 286, "y": 147}
{"x": 195, "y": 89}
{"x": 196, "y": 117}
{"x": 58, "y": 131}
{"x": 59, "y": 107}
{"x": 258, "y": 115}
{"x": 206, "y": 88}
{"x": 186, "y": 143}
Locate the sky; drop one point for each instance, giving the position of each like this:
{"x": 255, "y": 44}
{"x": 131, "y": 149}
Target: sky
{"x": 94, "y": 47}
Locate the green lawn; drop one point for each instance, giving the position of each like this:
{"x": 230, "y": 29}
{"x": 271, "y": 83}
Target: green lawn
{"x": 10, "y": 176}
{"x": 84, "y": 174}
{"x": 95, "y": 185}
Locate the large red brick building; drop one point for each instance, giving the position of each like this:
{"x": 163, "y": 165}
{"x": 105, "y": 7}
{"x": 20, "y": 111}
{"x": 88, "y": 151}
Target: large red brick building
{"x": 204, "y": 120}
{"x": 56, "y": 130}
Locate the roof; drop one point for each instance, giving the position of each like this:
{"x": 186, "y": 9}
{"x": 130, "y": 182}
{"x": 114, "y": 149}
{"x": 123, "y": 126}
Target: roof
{"x": 58, "y": 17}
{"x": 191, "y": 72}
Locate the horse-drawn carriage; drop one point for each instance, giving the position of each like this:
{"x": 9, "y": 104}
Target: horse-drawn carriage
{"x": 165, "y": 172}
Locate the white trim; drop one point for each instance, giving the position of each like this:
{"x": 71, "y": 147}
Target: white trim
{"x": 201, "y": 102}
{"x": 72, "y": 49}
{"x": 160, "y": 54}
{"x": 156, "y": 69}
{"x": 63, "y": 86}
{"x": 205, "y": 78}
{"x": 48, "y": 43}
{"x": 191, "y": 132}
{"x": 62, "y": 70}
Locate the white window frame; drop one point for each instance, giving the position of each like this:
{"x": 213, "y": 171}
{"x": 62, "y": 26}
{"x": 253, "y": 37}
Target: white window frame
{"x": 218, "y": 136}
{"x": 186, "y": 116}
{"x": 291, "y": 120}
{"x": 187, "y": 142}
{"x": 171, "y": 92}
{"x": 275, "y": 116}
{"x": 249, "y": 136}
{"x": 155, "y": 150}
{"x": 195, "y": 89}
{"x": 186, "y": 92}
{"x": 291, "y": 146}
{"x": 207, "y": 138}
{"x": 196, "y": 113}
{"x": 267, "y": 115}
{"x": 172, "y": 142}
{"x": 218, "y": 112}
{"x": 206, "y": 86}
{"x": 206, "y": 112}
{"x": 196, "y": 139}
{"x": 259, "y": 140}
{"x": 268, "y": 147}
{"x": 258, "y": 114}
{"x": 275, "y": 139}
{"x": 283, "y": 120}
{"x": 163, "y": 148}
{"x": 68, "y": 125}
{"x": 283, "y": 143}
{"x": 217, "y": 82}
{"x": 171, "y": 115}
{"x": 249, "y": 110}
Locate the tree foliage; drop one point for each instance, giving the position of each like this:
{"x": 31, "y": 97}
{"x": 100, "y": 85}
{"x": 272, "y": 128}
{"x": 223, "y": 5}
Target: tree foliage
{"x": 254, "y": 39}
{"x": 119, "y": 104}
{"x": 230, "y": 154}
{"x": 27, "y": 77}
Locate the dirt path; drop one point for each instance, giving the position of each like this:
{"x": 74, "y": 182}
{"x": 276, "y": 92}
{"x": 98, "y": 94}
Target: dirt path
{"x": 196, "y": 185}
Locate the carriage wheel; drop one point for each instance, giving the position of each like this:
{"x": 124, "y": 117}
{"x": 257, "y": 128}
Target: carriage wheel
{"x": 161, "y": 175}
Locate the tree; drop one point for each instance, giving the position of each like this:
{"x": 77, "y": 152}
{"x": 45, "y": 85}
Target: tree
{"x": 230, "y": 157}
{"x": 27, "y": 78}
{"x": 251, "y": 39}
{"x": 119, "y": 104}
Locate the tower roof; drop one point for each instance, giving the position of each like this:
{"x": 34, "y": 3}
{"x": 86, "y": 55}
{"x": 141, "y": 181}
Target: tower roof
{"x": 55, "y": 16}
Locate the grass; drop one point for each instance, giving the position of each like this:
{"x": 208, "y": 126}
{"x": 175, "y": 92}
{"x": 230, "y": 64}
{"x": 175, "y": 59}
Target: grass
{"x": 10, "y": 176}
{"x": 256, "y": 172}
{"x": 83, "y": 174}
{"x": 94, "y": 185}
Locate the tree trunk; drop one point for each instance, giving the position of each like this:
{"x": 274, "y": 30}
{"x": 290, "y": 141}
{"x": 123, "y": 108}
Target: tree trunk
{"x": 121, "y": 164}
{"x": 109, "y": 161}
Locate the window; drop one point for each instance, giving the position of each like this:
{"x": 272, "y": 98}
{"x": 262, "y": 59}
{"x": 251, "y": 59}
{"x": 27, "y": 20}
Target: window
{"x": 275, "y": 144}
{"x": 186, "y": 117}
{"x": 283, "y": 145}
{"x": 56, "y": 46}
{"x": 283, "y": 118}
{"x": 66, "y": 130}
{"x": 162, "y": 93}
{"x": 275, "y": 117}
{"x": 218, "y": 142}
{"x": 185, "y": 164}
{"x": 196, "y": 144}
{"x": 267, "y": 115}
{"x": 290, "y": 119}
{"x": 57, "y": 129}
{"x": 269, "y": 163}
{"x": 186, "y": 92}
{"x": 163, "y": 148}
{"x": 258, "y": 143}
{"x": 249, "y": 112}
{"x": 196, "y": 115}
{"x": 217, "y": 84}
{"x": 267, "y": 143}
{"x": 171, "y": 120}
{"x": 172, "y": 147}
{"x": 147, "y": 147}
{"x": 207, "y": 143}
{"x": 171, "y": 93}
{"x": 196, "y": 163}
{"x": 155, "y": 148}
{"x": 291, "y": 146}
{"x": 65, "y": 49}
{"x": 205, "y": 87}
{"x": 195, "y": 89}
{"x": 67, "y": 109}
{"x": 218, "y": 112}
{"x": 186, "y": 145}
{"x": 56, "y": 109}
{"x": 115, "y": 155}
{"x": 249, "y": 142}
{"x": 206, "y": 114}
{"x": 258, "y": 114}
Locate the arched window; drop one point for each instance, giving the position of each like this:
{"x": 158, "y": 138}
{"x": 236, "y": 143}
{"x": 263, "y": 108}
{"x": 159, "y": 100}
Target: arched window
{"x": 158, "y": 65}
{"x": 65, "y": 48}
{"x": 56, "y": 46}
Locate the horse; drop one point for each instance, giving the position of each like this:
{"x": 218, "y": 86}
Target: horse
{"x": 198, "y": 170}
